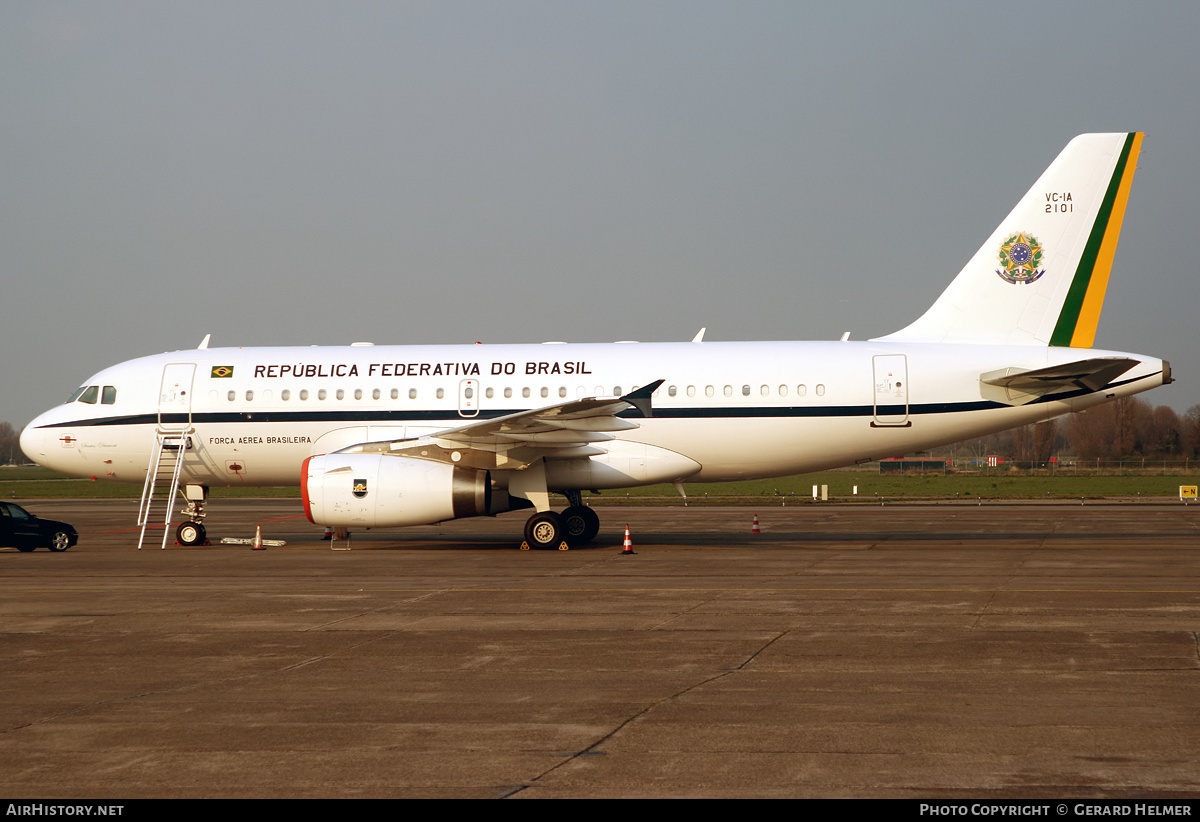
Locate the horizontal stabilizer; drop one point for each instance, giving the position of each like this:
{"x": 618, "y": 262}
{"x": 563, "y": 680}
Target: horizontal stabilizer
{"x": 1016, "y": 386}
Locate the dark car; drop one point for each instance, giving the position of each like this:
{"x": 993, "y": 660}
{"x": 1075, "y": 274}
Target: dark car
{"x": 22, "y": 530}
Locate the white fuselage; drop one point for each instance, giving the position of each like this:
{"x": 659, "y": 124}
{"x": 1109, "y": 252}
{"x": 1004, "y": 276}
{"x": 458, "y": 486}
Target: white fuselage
{"x": 738, "y": 410}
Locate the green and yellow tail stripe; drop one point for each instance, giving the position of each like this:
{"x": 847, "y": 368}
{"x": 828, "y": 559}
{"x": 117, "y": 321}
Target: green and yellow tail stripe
{"x": 1081, "y": 312}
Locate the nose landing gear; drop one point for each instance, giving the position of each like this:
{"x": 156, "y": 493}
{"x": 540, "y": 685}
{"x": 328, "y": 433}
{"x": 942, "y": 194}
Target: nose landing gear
{"x": 192, "y": 531}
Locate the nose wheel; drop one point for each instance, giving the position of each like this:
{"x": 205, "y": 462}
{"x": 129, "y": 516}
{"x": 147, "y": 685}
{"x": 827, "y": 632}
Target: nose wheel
{"x": 190, "y": 533}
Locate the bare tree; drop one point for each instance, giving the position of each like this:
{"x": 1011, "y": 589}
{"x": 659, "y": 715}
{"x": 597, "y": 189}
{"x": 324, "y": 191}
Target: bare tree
{"x": 10, "y": 445}
{"x": 1189, "y": 432}
{"x": 1093, "y": 432}
{"x": 1161, "y": 436}
{"x": 1044, "y": 435}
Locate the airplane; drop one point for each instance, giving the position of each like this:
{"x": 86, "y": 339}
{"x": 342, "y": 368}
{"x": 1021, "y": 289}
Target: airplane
{"x": 392, "y": 436}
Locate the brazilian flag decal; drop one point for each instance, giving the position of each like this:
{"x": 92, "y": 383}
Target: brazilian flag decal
{"x": 219, "y": 371}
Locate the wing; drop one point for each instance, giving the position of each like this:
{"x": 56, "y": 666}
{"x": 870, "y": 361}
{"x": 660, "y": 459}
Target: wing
{"x": 568, "y": 429}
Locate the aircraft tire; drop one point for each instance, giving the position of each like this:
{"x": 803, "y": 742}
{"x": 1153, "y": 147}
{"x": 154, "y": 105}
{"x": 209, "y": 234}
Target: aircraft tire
{"x": 544, "y": 530}
{"x": 190, "y": 533}
{"x": 580, "y": 525}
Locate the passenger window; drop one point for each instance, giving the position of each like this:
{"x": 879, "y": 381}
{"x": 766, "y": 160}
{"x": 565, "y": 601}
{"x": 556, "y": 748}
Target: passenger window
{"x": 820, "y": 390}
{"x": 375, "y": 394}
{"x": 90, "y": 394}
{"x": 691, "y": 391}
{"x": 109, "y": 395}
{"x": 441, "y": 393}
{"x": 412, "y": 394}
{"x": 708, "y": 391}
{"x": 671, "y": 391}
{"x": 545, "y": 392}
{"x": 341, "y": 394}
{"x": 285, "y": 395}
{"x": 562, "y": 391}
{"x": 249, "y": 396}
{"x": 469, "y": 392}
{"x": 525, "y": 392}
{"x": 507, "y": 393}
{"x": 303, "y": 393}
{"x": 765, "y": 390}
{"x": 616, "y": 390}
{"x": 231, "y": 396}
{"x": 358, "y": 393}
{"x": 801, "y": 390}
{"x": 783, "y": 390}
{"x": 729, "y": 390}
{"x": 489, "y": 392}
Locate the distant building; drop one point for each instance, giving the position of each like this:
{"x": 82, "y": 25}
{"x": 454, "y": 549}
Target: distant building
{"x": 918, "y": 465}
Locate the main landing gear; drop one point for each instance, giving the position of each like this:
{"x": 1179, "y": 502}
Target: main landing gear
{"x": 577, "y": 525}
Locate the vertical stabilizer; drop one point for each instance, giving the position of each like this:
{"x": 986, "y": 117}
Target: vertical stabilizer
{"x": 1040, "y": 278}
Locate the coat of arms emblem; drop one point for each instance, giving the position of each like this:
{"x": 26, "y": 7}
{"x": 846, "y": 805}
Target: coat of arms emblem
{"x": 1020, "y": 255}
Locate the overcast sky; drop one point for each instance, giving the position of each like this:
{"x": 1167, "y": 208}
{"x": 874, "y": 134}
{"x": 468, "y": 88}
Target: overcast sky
{"x": 296, "y": 173}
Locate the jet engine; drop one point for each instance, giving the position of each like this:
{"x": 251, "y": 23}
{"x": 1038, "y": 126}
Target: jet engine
{"x": 376, "y": 490}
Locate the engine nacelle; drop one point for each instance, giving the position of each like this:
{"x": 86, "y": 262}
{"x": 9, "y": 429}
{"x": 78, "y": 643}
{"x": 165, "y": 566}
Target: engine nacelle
{"x": 379, "y": 491}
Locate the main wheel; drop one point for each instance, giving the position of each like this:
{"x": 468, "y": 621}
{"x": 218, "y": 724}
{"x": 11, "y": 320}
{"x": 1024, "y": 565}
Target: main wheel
{"x": 189, "y": 533}
{"x": 580, "y": 524}
{"x": 59, "y": 541}
{"x": 544, "y": 530}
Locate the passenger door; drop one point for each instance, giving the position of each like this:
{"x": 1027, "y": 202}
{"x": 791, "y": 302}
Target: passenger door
{"x": 891, "y": 390}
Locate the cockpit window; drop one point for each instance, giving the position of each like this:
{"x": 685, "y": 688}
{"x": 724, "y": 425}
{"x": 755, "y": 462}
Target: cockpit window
{"x": 89, "y": 394}
{"x": 78, "y": 391}
{"x": 109, "y": 395}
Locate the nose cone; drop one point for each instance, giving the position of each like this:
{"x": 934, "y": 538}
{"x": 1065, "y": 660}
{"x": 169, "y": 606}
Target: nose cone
{"x": 33, "y": 442}
{"x": 50, "y": 445}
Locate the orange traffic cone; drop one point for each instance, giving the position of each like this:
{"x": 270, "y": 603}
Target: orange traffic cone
{"x": 257, "y": 545}
{"x": 628, "y": 550}
{"x": 754, "y": 528}
{"x": 328, "y": 533}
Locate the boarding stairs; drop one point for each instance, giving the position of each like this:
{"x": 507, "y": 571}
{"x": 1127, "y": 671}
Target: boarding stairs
{"x": 162, "y": 478}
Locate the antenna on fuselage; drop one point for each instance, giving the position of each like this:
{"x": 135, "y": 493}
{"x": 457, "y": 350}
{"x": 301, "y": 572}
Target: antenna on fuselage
{"x": 204, "y": 342}
{"x": 700, "y": 335}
